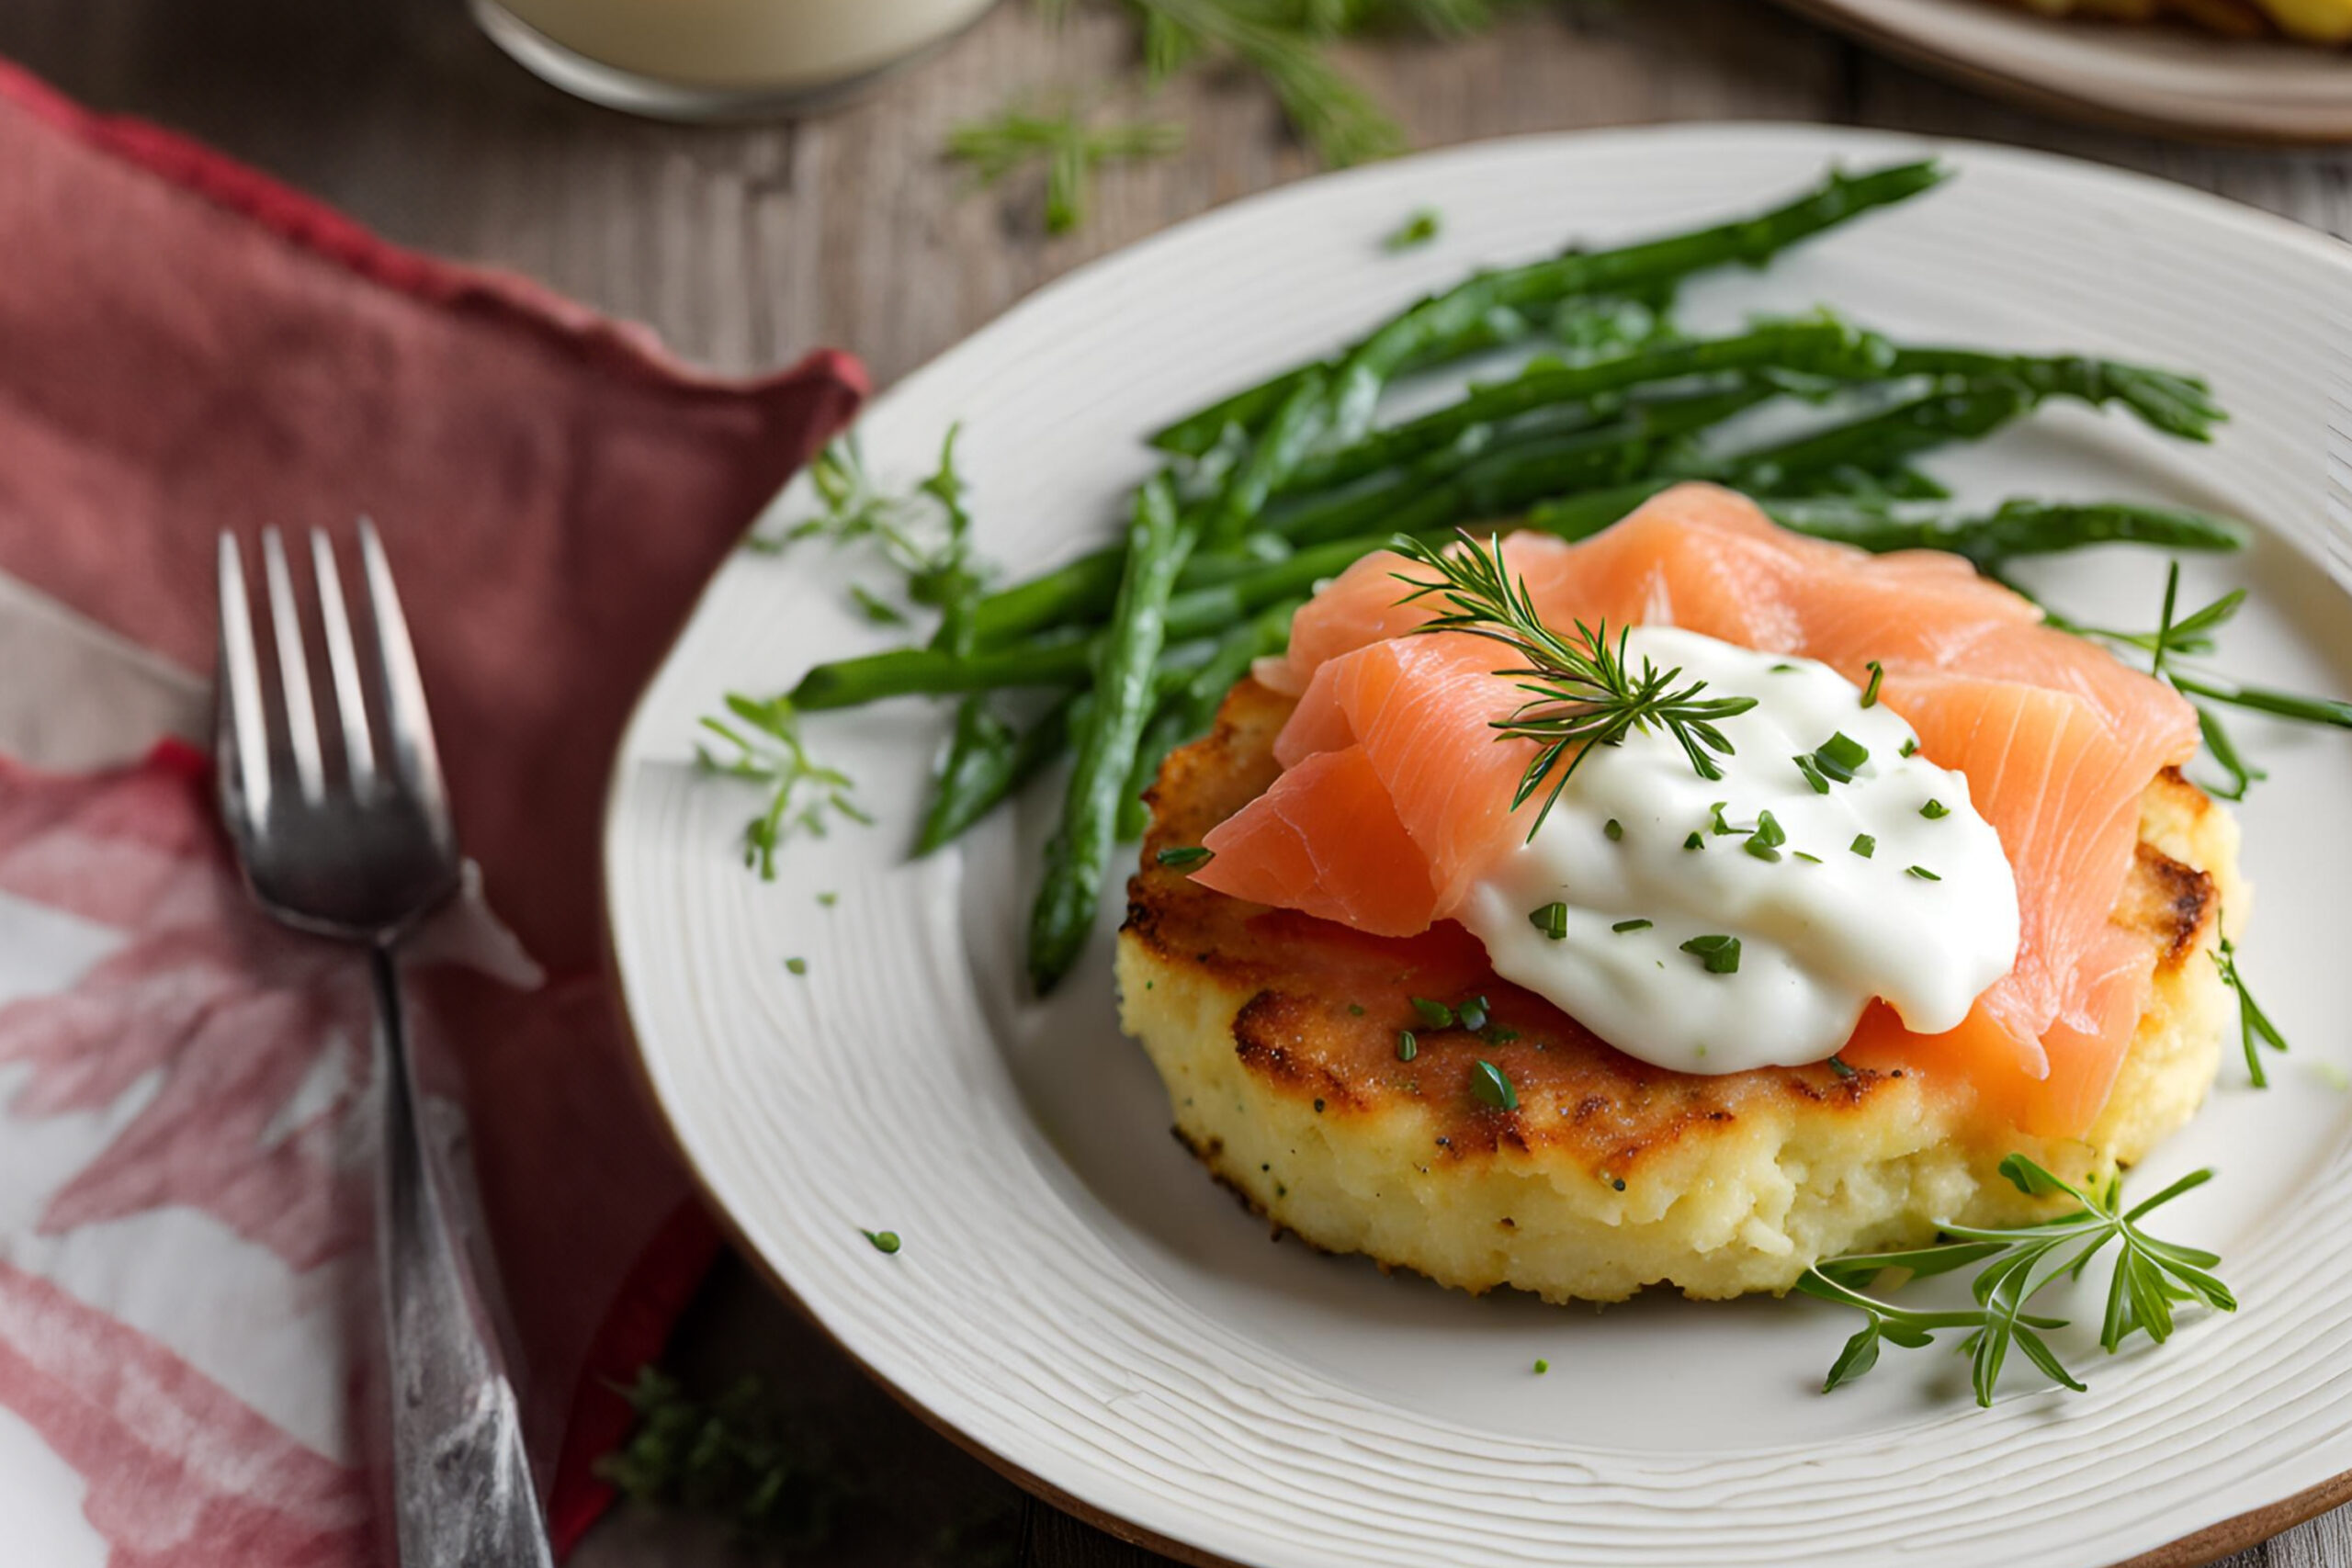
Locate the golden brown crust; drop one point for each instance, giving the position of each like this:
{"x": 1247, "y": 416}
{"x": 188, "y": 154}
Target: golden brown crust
{"x": 1327, "y": 1005}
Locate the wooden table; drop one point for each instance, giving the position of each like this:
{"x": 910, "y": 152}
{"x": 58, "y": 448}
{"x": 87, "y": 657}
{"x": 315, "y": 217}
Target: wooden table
{"x": 746, "y": 246}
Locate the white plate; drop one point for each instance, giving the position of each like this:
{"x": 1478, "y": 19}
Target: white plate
{"x": 1076, "y": 1300}
{"x": 2166, "y": 78}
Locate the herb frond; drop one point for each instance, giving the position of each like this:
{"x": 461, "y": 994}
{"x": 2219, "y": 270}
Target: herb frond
{"x": 923, "y": 534}
{"x": 764, "y": 745}
{"x": 731, "y": 1457}
{"x": 1417, "y": 230}
{"x": 1068, "y": 148}
{"x": 2255, "y": 1028}
{"x": 1581, "y": 691}
{"x": 2150, "y": 1279}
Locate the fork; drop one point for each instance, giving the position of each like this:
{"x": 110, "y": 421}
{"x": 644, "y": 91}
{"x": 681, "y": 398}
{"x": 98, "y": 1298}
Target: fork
{"x": 361, "y": 854}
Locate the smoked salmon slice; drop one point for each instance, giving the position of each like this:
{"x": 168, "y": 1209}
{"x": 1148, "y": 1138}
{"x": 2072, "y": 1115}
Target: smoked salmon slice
{"x": 1395, "y": 794}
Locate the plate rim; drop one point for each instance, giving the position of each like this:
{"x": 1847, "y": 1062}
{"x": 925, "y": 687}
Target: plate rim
{"x": 2206, "y": 1545}
{"x": 2245, "y": 124}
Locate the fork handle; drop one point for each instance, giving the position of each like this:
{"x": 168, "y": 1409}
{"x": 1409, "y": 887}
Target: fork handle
{"x": 461, "y": 1483}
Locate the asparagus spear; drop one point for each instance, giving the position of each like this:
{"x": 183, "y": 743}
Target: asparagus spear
{"x": 2016, "y": 528}
{"x": 1187, "y": 711}
{"x": 1080, "y": 851}
{"x": 2167, "y": 401}
{"x": 1443, "y": 326}
{"x": 988, "y": 760}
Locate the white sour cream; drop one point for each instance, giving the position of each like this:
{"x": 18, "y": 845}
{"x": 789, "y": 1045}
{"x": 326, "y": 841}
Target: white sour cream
{"x": 1818, "y": 941}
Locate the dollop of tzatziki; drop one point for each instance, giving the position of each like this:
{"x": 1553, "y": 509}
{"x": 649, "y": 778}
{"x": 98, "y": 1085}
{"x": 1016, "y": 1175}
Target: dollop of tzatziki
{"x": 1716, "y": 925}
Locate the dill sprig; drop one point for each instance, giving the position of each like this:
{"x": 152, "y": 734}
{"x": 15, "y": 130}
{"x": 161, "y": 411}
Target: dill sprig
{"x": 1582, "y": 691}
{"x": 2255, "y": 1028}
{"x": 766, "y": 746}
{"x": 2150, "y": 1279}
{"x": 1066, "y": 145}
{"x": 924, "y": 533}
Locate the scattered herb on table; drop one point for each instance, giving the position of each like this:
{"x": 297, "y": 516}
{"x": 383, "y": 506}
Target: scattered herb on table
{"x": 738, "y": 1456}
{"x": 1066, "y": 145}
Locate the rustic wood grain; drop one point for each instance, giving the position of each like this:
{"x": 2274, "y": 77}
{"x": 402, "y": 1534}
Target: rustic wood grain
{"x": 745, "y": 246}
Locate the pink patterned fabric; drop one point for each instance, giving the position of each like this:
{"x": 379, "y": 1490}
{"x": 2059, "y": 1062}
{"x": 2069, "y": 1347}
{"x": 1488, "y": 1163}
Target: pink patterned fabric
{"x": 186, "y": 346}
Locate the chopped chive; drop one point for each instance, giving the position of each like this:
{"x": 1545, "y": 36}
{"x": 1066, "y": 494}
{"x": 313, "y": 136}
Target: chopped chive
{"x": 1911, "y": 747}
{"x": 1473, "y": 1014}
{"x": 1716, "y": 811}
{"x": 1837, "y": 1065}
{"x": 1614, "y": 829}
{"x": 1437, "y": 1015}
{"x": 1802, "y": 855}
{"x": 1935, "y": 808}
{"x": 796, "y": 965}
{"x": 1870, "y": 693}
{"x": 1719, "y": 953}
{"x": 1783, "y": 667}
{"x": 1839, "y": 756}
{"x": 1813, "y": 773}
{"x": 1496, "y": 1035}
{"x": 1623, "y": 926}
{"x": 1541, "y": 1366}
{"x": 884, "y": 1241}
{"x": 1184, "y": 858}
{"x": 1765, "y": 842}
{"x": 1923, "y": 873}
{"x": 1864, "y": 845}
{"x": 1694, "y": 841}
{"x": 1407, "y": 1047}
{"x": 1491, "y": 1084}
{"x": 1552, "y": 920}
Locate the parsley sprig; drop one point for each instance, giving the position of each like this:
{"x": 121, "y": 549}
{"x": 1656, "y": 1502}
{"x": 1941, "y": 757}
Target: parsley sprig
{"x": 2150, "y": 1279}
{"x": 1582, "y": 691}
{"x": 765, "y": 746}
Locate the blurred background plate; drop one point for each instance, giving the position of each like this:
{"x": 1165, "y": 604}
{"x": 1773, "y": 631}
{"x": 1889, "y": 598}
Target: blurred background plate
{"x": 2164, "y": 78}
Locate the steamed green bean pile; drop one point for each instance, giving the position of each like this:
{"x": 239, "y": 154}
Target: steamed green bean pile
{"x": 1124, "y": 653}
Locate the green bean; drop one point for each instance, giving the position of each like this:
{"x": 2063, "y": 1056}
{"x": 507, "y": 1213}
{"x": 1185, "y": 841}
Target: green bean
{"x": 2016, "y": 528}
{"x": 1080, "y": 851}
{"x": 2167, "y": 401}
{"x": 1295, "y": 428}
{"x": 1445, "y": 326}
{"x": 1055, "y": 660}
{"x": 1186, "y": 711}
{"x": 1881, "y": 441}
{"x": 988, "y": 760}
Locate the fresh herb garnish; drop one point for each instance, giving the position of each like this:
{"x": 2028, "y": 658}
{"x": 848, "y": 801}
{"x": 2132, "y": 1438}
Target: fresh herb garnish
{"x": 1068, "y": 148}
{"x": 1437, "y": 1015}
{"x": 796, "y": 966}
{"x": 1613, "y": 831}
{"x": 1922, "y": 872}
{"x": 1837, "y": 1065}
{"x": 884, "y": 1241}
{"x": 1472, "y": 1013}
{"x": 1720, "y": 954}
{"x": 768, "y": 749}
{"x": 827, "y": 900}
{"x": 1552, "y": 920}
{"x": 1864, "y": 845}
{"x": 1878, "y": 673}
{"x": 1491, "y": 1084}
{"x": 1583, "y": 692}
{"x": 1910, "y": 745}
{"x": 1765, "y": 842}
{"x": 1417, "y": 229}
{"x": 1803, "y": 856}
{"x": 1541, "y": 1366}
{"x": 2255, "y": 1028}
{"x": 878, "y": 610}
{"x": 1934, "y": 809}
{"x": 2150, "y": 1279}
{"x": 1839, "y": 757}
{"x": 1812, "y": 772}
{"x": 1185, "y": 857}
{"x": 1407, "y": 1047}
{"x": 1720, "y": 826}
{"x": 1623, "y": 926}
{"x": 1694, "y": 841}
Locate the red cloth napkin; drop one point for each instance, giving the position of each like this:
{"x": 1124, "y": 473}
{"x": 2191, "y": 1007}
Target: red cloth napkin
{"x": 185, "y": 346}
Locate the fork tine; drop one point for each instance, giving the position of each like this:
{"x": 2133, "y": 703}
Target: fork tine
{"x": 407, "y": 724}
{"x": 293, "y": 668}
{"x": 343, "y": 663}
{"x": 245, "y": 722}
